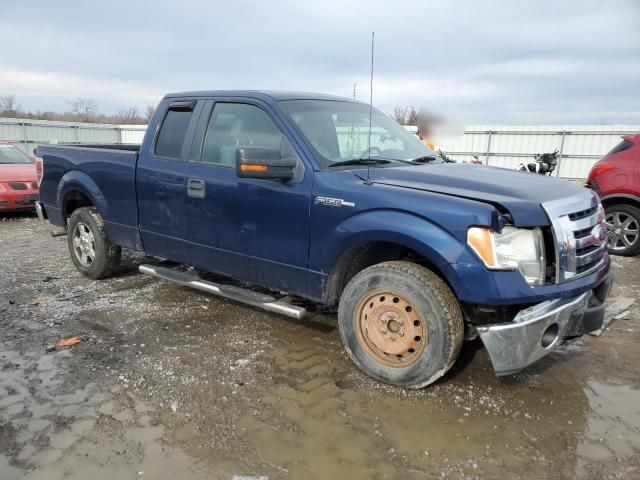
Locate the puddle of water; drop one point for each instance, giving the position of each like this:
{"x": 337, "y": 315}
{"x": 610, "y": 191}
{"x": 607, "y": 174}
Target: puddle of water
{"x": 318, "y": 424}
{"x": 613, "y": 425}
{"x": 58, "y": 429}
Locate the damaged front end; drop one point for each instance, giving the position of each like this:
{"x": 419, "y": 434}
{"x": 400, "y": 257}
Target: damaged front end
{"x": 538, "y": 330}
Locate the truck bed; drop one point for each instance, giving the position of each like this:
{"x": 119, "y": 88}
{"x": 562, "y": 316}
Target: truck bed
{"x": 109, "y": 170}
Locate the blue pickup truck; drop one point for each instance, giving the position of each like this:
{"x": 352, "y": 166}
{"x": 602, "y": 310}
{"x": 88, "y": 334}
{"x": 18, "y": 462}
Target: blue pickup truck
{"x": 313, "y": 197}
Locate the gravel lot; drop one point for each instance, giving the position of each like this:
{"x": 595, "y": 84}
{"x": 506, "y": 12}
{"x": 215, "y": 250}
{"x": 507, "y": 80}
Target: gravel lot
{"x": 171, "y": 383}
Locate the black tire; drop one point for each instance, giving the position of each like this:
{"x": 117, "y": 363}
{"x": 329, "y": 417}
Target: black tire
{"x": 434, "y": 307}
{"x": 85, "y": 230}
{"x": 620, "y": 244}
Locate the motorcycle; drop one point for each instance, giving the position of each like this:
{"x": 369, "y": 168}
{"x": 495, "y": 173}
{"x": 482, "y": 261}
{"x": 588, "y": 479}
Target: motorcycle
{"x": 544, "y": 164}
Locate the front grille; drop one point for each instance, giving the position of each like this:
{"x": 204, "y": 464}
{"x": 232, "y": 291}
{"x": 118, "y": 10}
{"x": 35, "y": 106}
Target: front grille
{"x": 580, "y": 235}
{"x": 18, "y": 186}
{"x": 585, "y": 232}
{"x": 582, "y": 214}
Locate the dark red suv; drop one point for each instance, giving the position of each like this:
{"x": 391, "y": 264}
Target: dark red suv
{"x": 616, "y": 178}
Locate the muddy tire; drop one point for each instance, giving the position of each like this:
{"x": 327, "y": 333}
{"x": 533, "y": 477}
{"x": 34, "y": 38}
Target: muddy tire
{"x": 91, "y": 251}
{"x": 401, "y": 324}
{"x": 623, "y": 226}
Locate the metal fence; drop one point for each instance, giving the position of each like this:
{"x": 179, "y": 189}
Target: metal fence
{"x": 508, "y": 146}
{"x": 498, "y": 145}
{"x": 28, "y": 133}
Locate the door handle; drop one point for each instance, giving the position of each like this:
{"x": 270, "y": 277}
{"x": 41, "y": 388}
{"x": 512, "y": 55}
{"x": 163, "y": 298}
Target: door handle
{"x": 195, "y": 188}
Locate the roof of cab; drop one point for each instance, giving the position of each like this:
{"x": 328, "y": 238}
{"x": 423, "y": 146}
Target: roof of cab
{"x": 275, "y": 95}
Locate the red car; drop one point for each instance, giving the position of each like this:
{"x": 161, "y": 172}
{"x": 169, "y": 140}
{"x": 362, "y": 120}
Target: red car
{"x": 616, "y": 178}
{"x": 18, "y": 179}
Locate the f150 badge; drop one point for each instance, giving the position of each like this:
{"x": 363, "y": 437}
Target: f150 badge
{"x": 333, "y": 202}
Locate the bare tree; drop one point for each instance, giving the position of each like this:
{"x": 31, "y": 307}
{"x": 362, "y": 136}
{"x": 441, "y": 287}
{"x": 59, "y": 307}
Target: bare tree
{"x": 149, "y": 113}
{"x": 405, "y": 114}
{"x": 128, "y": 116}
{"x": 400, "y": 114}
{"x": 8, "y": 104}
{"x": 85, "y": 109}
{"x": 412, "y": 116}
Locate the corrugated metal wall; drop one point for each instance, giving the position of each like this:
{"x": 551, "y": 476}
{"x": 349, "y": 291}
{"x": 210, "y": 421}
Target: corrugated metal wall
{"x": 580, "y": 146}
{"x": 132, "y": 133}
{"x": 29, "y": 133}
{"x": 498, "y": 145}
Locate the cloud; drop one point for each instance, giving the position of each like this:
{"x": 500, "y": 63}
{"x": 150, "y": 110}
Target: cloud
{"x": 489, "y": 62}
{"x": 71, "y": 86}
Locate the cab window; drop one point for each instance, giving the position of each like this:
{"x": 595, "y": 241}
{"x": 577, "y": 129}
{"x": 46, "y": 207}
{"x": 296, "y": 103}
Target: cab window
{"x": 173, "y": 132}
{"x": 234, "y": 125}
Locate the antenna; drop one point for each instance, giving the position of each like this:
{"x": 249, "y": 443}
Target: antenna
{"x": 370, "y": 111}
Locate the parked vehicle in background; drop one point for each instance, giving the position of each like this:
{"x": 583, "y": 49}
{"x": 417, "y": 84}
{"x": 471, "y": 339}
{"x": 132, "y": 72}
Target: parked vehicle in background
{"x": 293, "y": 192}
{"x": 544, "y": 164}
{"x": 616, "y": 178}
{"x": 18, "y": 179}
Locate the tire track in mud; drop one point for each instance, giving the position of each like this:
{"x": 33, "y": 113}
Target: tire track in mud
{"x": 325, "y": 419}
{"x": 304, "y": 421}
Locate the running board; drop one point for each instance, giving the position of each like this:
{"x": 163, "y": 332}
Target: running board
{"x": 265, "y": 302}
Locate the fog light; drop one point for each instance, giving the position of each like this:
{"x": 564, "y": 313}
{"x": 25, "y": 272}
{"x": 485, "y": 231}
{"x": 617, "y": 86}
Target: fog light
{"x": 549, "y": 336}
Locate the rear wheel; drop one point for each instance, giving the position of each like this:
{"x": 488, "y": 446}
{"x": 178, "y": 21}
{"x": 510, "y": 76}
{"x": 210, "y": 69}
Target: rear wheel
{"x": 91, "y": 251}
{"x": 401, "y": 324}
{"x": 623, "y": 226}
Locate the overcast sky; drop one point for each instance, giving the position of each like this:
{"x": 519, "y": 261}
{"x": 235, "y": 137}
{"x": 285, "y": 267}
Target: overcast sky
{"x": 515, "y": 62}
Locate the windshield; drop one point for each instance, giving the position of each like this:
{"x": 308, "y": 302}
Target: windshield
{"x": 339, "y": 131}
{"x": 10, "y": 154}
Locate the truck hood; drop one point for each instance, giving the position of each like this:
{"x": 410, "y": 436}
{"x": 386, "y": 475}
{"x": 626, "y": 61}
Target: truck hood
{"x": 520, "y": 193}
{"x": 17, "y": 172}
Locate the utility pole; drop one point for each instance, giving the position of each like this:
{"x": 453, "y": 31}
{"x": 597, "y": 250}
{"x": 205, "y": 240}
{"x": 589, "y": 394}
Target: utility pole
{"x": 354, "y": 90}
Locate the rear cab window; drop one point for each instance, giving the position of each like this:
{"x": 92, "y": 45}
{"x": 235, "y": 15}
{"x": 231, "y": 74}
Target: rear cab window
{"x": 172, "y": 137}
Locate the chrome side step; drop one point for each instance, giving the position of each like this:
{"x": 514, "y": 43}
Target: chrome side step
{"x": 265, "y": 302}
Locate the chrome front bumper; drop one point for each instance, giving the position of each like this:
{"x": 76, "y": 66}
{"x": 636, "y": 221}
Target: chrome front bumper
{"x": 538, "y": 330}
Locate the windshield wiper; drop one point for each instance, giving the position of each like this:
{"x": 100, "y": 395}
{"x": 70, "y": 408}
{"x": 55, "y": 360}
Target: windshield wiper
{"x": 360, "y": 161}
{"x": 424, "y": 159}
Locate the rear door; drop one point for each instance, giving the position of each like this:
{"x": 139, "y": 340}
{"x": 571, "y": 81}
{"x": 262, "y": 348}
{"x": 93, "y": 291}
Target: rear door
{"x": 161, "y": 181}
{"x": 254, "y": 230}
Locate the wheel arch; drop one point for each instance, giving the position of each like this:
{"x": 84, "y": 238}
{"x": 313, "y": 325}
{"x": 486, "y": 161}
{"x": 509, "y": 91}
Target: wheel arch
{"x": 406, "y": 238}
{"x": 76, "y": 189}
{"x": 620, "y": 199}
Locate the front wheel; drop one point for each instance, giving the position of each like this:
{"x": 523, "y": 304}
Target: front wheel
{"x": 401, "y": 324}
{"x": 91, "y": 251}
{"x": 623, "y": 227}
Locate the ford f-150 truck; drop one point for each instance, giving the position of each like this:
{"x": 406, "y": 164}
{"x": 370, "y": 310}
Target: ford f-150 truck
{"x": 314, "y": 197}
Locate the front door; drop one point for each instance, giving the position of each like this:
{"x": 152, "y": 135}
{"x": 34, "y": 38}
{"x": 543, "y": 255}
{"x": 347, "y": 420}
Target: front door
{"x": 254, "y": 230}
{"x": 162, "y": 185}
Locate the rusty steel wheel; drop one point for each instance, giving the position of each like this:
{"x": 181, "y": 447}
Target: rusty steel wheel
{"x": 400, "y": 323}
{"x": 390, "y": 328}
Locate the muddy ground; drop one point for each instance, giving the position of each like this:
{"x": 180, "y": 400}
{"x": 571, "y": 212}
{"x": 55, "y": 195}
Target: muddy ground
{"x": 171, "y": 383}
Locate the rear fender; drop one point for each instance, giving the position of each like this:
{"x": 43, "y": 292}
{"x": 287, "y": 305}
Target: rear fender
{"x": 79, "y": 181}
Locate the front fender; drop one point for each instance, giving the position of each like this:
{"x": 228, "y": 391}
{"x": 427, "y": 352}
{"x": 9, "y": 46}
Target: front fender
{"x": 440, "y": 247}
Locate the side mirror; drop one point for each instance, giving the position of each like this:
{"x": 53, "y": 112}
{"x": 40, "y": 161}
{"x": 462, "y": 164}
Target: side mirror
{"x": 262, "y": 162}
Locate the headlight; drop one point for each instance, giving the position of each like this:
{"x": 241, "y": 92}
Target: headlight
{"x": 513, "y": 249}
